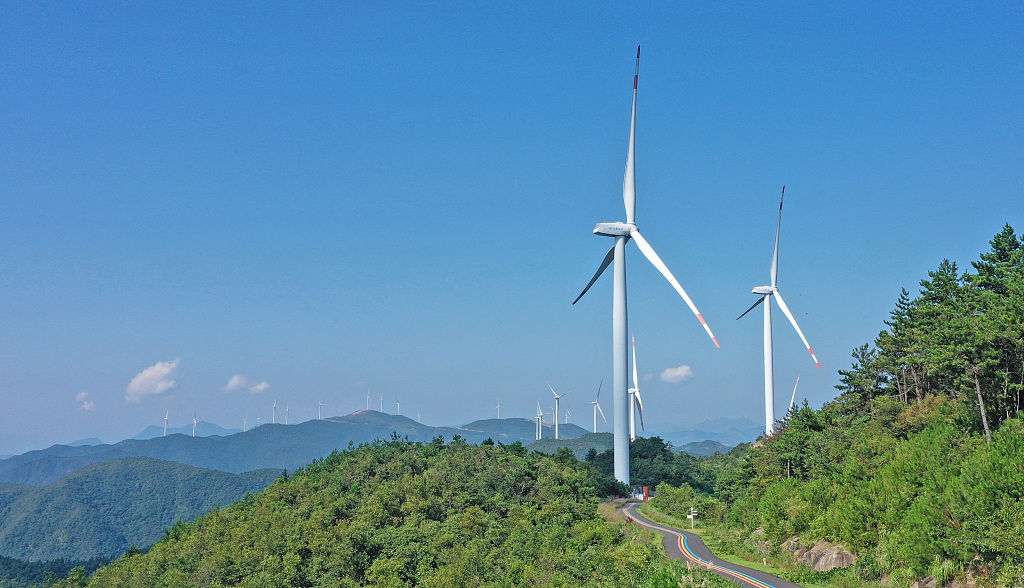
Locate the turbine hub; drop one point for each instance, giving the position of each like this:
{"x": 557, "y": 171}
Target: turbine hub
{"x": 763, "y": 290}
{"x": 614, "y": 229}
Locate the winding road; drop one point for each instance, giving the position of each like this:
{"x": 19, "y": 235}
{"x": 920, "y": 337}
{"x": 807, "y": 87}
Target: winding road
{"x": 681, "y": 544}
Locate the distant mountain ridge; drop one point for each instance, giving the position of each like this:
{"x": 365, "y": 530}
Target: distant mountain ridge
{"x": 102, "y": 509}
{"x": 267, "y": 446}
{"x": 203, "y": 429}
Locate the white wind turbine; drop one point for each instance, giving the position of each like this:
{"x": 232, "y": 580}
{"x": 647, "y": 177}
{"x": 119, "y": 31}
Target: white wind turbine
{"x": 766, "y": 292}
{"x": 166, "y": 414}
{"x": 258, "y": 421}
{"x": 194, "y": 425}
{"x": 399, "y": 406}
{"x": 567, "y": 414}
{"x": 382, "y": 403}
{"x": 622, "y": 233}
{"x": 245, "y": 423}
{"x": 319, "y": 410}
{"x": 597, "y": 407}
{"x": 557, "y": 398}
{"x": 367, "y": 399}
{"x": 635, "y": 400}
{"x": 540, "y": 421}
{"x": 792, "y": 398}
{"x": 286, "y": 409}
{"x": 273, "y": 414}
{"x": 499, "y": 409}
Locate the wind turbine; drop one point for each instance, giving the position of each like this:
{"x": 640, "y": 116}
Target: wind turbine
{"x": 597, "y": 407}
{"x": 166, "y": 414}
{"x": 499, "y": 409}
{"x": 792, "y": 398}
{"x": 319, "y": 410}
{"x": 567, "y": 416}
{"x": 273, "y": 414}
{"x": 634, "y": 400}
{"x": 367, "y": 399}
{"x": 245, "y": 423}
{"x": 399, "y": 406}
{"x": 540, "y": 421}
{"x": 557, "y": 398}
{"x": 286, "y": 408}
{"x": 766, "y": 292}
{"x": 193, "y": 425}
{"x": 382, "y": 403}
{"x": 417, "y": 417}
{"x": 258, "y": 420}
{"x": 622, "y": 233}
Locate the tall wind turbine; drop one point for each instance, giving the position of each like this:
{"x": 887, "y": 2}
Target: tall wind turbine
{"x": 319, "y": 410}
{"x": 286, "y": 409}
{"x": 766, "y": 292}
{"x": 557, "y": 398}
{"x": 273, "y": 414}
{"x": 499, "y": 409}
{"x": 367, "y": 399}
{"x": 166, "y": 414}
{"x": 622, "y": 233}
{"x": 540, "y": 421}
{"x": 567, "y": 416}
{"x": 193, "y": 425}
{"x": 792, "y": 398}
{"x": 635, "y": 400}
{"x": 245, "y": 424}
{"x": 399, "y": 406}
{"x": 382, "y": 403}
{"x": 597, "y": 407}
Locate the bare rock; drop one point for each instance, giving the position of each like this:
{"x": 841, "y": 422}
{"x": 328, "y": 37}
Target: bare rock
{"x": 824, "y": 556}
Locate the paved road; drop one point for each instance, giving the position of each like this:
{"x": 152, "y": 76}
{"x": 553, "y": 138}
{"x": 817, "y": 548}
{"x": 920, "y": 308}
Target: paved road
{"x": 681, "y": 544}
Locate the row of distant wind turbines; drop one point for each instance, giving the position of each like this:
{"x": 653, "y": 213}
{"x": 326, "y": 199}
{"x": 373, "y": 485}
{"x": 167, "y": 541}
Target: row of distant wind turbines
{"x": 624, "y": 398}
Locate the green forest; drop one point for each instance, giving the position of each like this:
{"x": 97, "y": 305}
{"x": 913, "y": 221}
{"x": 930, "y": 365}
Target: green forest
{"x": 917, "y": 466}
{"x": 399, "y": 513}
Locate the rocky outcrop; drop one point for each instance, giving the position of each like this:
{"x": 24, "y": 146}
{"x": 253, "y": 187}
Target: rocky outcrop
{"x": 821, "y": 556}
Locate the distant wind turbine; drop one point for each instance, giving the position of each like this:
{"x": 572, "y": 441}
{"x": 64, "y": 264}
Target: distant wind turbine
{"x": 286, "y": 408}
{"x": 597, "y": 407}
{"x": 382, "y": 403}
{"x": 540, "y": 421}
{"x": 166, "y": 414}
{"x": 245, "y": 423}
{"x": 399, "y": 406}
{"x": 417, "y": 417}
{"x": 622, "y": 233}
{"x": 567, "y": 416}
{"x": 193, "y": 425}
{"x": 792, "y": 399}
{"x": 258, "y": 420}
{"x": 636, "y": 403}
{"x": 499, "y": 409}
{"x": 367, "y": 399}
{"x": 766, "y": 292}
{"x": 319, "y": 410}
{"x": 557, "y": 399}
{"x": 273, "y": 414}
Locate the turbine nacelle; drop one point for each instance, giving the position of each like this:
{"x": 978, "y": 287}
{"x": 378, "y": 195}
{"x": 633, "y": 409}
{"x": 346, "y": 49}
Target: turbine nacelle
{"x": 763, "y": 290}
{"x": 614, "y": 229}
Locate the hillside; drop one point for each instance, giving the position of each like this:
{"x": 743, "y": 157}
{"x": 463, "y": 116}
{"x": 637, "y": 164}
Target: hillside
{"x": 599, "y": 442}
{"x": 203, "y": 429}
{"x": 704, "y": 448}
{"x": 268, "y": 446}
{"x": 102, "y": 509}
{"x": 916, "y": 468}
{"x": 405, "y": 514}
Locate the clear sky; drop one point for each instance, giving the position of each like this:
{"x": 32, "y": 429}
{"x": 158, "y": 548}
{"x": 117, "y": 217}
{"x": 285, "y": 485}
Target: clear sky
{"x": 325, "y": 197}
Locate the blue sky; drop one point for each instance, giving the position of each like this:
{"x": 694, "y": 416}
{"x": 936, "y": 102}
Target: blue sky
{"x": 401, "y": 196}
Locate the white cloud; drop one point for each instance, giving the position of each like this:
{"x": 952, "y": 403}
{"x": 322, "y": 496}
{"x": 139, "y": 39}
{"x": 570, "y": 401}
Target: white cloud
{"x": 238, "y": 381}
{"x": 86, "y": 405}
{"x": 156, "y": 379}
{"x": 676, "y": 374}
{"x": 648, "y": 377}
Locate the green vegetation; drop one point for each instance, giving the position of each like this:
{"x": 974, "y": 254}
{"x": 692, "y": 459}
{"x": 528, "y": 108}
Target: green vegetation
{"x": 652, "y": 461}
{"x": 917, "y": 466}
{"x": 16, "y": 573}
{"x": 401, "y": 514}
{"x": 580, "y": 446}
{"x": 103, "y": 509}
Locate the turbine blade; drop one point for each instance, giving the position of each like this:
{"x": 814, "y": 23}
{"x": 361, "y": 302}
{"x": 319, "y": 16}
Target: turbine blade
{"x": 641, "y": 412}
{"x": 651, "y": 256}
{"x": 639, "y": 401}
{"x": 602, "y": 413}
{"x": 789, "y": 315}
{"x": 599, "y": 391}
{"x": 629, "y": 178}
{"x": 793, "y": 398}
{"x": 550, "y": 388}
{"x": 775, "y": 256}
{"x": 752, "y": 307}
{"x": 604, "y": 265}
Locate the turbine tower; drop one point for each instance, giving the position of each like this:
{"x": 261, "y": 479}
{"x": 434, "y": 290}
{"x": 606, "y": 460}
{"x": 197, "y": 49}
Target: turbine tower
{"x": 597, "y": 407}
{"x": 286, "y": 409}
{"x": 399, "y": 406}
{"x": 567, "y": 416}
{"x": 634, "y": 400}
{"x": 166, "y": 414}
{"x": 367, "y": 399}
{"x": 557, "y": 398}
{"x": 245, "y": 423}
{"x": 382, "y": 404}
{"x": 193, "y": 425}
{"x": 499, "y": 409}
{"x": 622, "y": 233}
{"x": 766, "y": 292}
{"x": 319, "y": 410}
{"x": 273, "y": 414}
{"x": 540, "y": 421}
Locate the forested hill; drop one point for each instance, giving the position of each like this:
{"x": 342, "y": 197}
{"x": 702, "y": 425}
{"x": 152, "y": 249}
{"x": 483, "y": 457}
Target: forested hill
{"x": 409, "y": 514}
{"x": 103, "y": 509}
{"x": 917, "y": 467}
